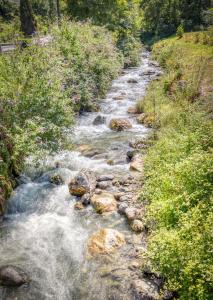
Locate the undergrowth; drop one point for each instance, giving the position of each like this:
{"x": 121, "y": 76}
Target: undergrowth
{"x": 178, "y": 168}
{"x": 42, "y": 87}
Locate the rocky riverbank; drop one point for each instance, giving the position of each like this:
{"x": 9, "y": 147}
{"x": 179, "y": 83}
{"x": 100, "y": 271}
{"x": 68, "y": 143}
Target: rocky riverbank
{"x": 76, "y": 220}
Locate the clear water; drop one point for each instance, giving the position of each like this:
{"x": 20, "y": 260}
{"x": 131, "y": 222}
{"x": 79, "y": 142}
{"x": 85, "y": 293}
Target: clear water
{"x": 43, "y": 233}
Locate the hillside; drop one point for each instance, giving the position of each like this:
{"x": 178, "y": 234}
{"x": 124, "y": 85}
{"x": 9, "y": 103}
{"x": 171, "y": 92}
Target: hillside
{"x": 178, "y": 167}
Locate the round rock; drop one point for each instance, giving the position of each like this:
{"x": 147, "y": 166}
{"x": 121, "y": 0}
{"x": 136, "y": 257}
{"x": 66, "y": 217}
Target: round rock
{"x": 103, "y": 203}
{"x": 13, "y": 276}
{"x": 105, "y": 241}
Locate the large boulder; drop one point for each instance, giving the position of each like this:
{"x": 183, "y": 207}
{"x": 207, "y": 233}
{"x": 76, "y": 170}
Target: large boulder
{"x": 99, "y": 120}
{"x": 105, "y": 241}
{"x": 83, "y": 183}
{"x": 13, "y": 276}
{"x": 120, "y": 124}
{"x": 104, "y": 202}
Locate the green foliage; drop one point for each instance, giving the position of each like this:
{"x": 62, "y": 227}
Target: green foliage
{"x": 180, "y": 31}
{"x": 92, "y": 61}
{"x": 123, "y": 17}
{"x": 178, "y": 170}
{"x": 161, "y": 18}
{"x": 8, "y": 9}
{"x": 9, "y": 31}
{"x": 40, "y": 87}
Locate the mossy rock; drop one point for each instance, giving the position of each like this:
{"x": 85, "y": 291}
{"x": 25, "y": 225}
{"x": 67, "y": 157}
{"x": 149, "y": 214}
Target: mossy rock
{"x": 147, "y": 120}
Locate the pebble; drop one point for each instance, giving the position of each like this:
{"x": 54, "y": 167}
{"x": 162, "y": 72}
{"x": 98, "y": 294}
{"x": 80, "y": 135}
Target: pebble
{"x": 103, "y": 185}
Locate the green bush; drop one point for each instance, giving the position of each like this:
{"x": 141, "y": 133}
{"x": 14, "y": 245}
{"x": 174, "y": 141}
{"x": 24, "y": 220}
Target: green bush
{"x": 41, "y": 87}
{"x": 178, "y": 172}
{"x": 123, "y": 18}
{"x": 9, "y": 31}
{"x": 180, "y": 31}
{"x": 92, "y": 61}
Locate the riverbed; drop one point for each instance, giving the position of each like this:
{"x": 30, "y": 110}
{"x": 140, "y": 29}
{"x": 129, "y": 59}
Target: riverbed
{"x": 43, "y": 233}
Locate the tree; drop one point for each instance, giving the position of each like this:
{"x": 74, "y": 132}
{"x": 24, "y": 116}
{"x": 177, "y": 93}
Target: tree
{"x": 58, "y": 10}
{"x": 162, "y": 17}
{"x": 28, "y": 24}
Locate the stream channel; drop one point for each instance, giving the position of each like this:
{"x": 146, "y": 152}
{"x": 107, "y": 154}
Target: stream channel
{"x": 46, "y": 236}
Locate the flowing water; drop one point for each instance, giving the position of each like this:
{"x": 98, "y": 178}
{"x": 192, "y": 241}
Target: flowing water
{"x": 43, "y": 233}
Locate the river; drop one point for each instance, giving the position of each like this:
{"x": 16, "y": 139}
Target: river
{"x": 43, "y": 233}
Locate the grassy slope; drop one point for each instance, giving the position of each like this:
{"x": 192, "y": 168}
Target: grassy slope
{"x": 178, "y": 168}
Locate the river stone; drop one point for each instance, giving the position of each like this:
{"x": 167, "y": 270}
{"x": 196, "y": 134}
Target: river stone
{"x": 85, "y": 199}
{"x": 147, "y": 72}
{"x": 105, "y": 241}
{"x": 132, "y": 80}
{"x": 146, "y": 119}
{"x": 105, "y": 202}
{"x": 99, "y": 120}
{"x": 13, "y": 276}
{"x": 84, "y": 148}
{"x": 56, "y": 179}
{"x": 79, "y": 206}
{"x": 137, "y": 226}
{"x": 120, "y": 124}
{"x": 103, "y": 185}
{"x": 98, "y": 191}
{"x": 132, "y": 110}
{"x": 130, "y": 154}
{"x": 83, "y": 183}
{"x": 137, "y": 164}
{"x": 131, "y": 213}
{"x": 145, "y": 289}
{"x": 122, "y": 208}
{"x": 105, "y": 178}
{"x": 118, "y": 97}
{"x": 118, "y": 196}
{"x": 124, "y": 198}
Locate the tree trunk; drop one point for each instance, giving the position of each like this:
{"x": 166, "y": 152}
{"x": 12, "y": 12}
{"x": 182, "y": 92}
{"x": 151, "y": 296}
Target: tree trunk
{"x": 58, "y": 11}
{"x": 28, "y": 24}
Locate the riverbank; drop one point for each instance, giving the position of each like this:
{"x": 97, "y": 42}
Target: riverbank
{"x": 42, "y": 87}
{"x": 83, "y": 241}
{"x": 178, "y": 167}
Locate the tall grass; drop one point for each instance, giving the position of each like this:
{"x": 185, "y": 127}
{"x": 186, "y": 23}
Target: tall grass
{"x": 178, "y": 171}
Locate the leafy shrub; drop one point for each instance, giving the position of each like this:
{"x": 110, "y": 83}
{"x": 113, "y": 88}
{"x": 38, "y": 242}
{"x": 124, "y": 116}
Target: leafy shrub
{"x": 178, "y": 172}
{"x": 40, "y": 87}
{"x": 180, "y": 31}
{"x": 123, "y": 18}
{"x": 92, "y": 61}
{"x": 9, "y": 31}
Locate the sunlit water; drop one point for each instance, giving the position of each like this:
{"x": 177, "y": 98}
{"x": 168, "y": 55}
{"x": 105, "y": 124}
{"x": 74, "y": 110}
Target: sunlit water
{"x": 43, "y": 233}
